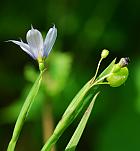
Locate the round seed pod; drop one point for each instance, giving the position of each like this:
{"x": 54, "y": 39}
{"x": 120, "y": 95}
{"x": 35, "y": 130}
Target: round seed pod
{"x": 41, "y": 66}
{"x": 118, "y": 78}
{"x": 119, "y": 73}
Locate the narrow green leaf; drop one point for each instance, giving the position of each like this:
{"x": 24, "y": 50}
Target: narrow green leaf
{"x": 79, "y": 130}
{"x": 23, "y": 113}
{"x": 77, "y": 99}
{"x": 65, "y": 122}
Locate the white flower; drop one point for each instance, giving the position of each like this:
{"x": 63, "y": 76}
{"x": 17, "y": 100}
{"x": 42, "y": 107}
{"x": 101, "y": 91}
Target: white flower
{"x": 36, "y": 47}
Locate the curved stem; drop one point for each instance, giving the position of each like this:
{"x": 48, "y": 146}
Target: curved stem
{"x": 99, "y": 63}
{"x": 101, "y": 79}
{"x": 101, "y": 83}
{"x": 23, "y": 113}
{"x": 70, "y": 112}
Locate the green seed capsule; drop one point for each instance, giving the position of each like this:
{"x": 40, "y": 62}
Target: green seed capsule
{"x": 41, "y": 66}
{"x": 119, "y": 75}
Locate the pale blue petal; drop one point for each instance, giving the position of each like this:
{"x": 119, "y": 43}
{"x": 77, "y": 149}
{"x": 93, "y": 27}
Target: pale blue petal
{"x": 35, "y": 42}
{"x": 24, "y": 47}
{"x": 50, "y": 40}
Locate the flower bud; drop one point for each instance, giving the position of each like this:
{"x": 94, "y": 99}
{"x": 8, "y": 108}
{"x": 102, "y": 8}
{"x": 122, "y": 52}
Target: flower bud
{"x": 104, "y": 53}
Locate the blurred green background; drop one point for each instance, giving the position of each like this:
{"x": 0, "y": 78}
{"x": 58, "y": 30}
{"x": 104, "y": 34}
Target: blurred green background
{"x": 85, "y": 27}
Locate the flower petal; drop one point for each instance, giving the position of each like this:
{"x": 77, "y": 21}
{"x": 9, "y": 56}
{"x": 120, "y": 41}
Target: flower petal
{"x": 35, "y": 42}
{"x": 25, "y": 47}
{"x": 49, "y": 40}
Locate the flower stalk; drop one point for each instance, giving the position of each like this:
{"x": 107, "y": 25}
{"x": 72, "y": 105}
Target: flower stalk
{"x": 23, "y": 114}
{"x": 38, "y": 50}
{"x": 77, "y": 104}
{"x": 70, "y": 114}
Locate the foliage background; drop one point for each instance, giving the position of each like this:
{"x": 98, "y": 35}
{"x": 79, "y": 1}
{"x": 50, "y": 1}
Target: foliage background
{"x": 84, "y": 29}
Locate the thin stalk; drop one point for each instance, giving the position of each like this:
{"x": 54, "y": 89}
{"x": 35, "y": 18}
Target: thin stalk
{"x": 23, "y": 113}
{"x": 75, "y": 105}
{"x": 97, "y": 82}
{"x": 99, "y": 63}
{"x": 69, "y": 115}
{"x": 67, "y": 118}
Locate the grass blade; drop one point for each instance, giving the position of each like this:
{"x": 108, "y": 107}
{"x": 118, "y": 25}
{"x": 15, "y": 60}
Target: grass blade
{"x": 77, "y": 104}
{"x": 79, "y": 130}
{"x": 23, "y": 113}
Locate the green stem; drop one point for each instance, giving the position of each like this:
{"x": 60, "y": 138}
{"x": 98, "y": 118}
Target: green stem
{"x": 97, "y": 69}
{"x": 69, "y": 115}
{"x": 23, "y": 113}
